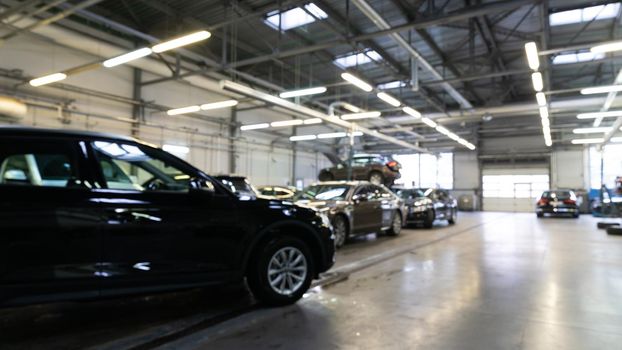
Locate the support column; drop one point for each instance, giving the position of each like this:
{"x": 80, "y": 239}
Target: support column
{"x": 137, "y": 109}
{"x": 233, "y": 133}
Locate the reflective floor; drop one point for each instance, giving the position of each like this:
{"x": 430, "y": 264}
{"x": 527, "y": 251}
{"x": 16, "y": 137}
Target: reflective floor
{"x": 493, "y": 281}
{"x": 510, "y": 281}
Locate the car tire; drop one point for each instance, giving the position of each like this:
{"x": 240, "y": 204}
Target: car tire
{"x": 614, "y": 230}
{"x": 396, "y": 225}
{"x": 429, "y": 222}
{"x": 604, "y": 225}
{"x": 376, "y": 178}
{"x": 265, "y": 284}
{"x": 340, "y": 230}
{"x": 326, "y": 176}
{"x": 454, "y": 217}
{"x": 540, "y": 215}
{"x": 575, "y": 216}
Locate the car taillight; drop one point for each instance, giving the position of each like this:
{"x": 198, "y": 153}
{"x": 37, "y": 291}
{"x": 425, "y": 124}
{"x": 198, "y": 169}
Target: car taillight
{"x": 393, "y": 165}
{"x": 543, "y": 201}
{"x": 570, "y": 201}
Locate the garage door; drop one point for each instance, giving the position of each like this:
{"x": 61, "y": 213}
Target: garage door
{"x": 513, "y": 190}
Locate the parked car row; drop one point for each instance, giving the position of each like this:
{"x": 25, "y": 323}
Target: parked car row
{"x": 88, "y": 215}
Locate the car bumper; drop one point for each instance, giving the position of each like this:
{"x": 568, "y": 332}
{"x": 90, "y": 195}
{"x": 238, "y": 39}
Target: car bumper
{"x": 557, "y": 210}
{"x": 328, "y": 256}
{"x": 418, "y": 217}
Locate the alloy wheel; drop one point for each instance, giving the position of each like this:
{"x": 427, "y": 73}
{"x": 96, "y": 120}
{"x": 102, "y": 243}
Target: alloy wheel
{"x": 287, "y": 270}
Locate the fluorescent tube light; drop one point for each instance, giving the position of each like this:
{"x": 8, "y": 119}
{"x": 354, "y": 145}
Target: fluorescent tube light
{"x": 303, "y": 92}
{"x": 217, "y": 105}
{"x": 175, "y": 149}
{"x": 255, "y": 126}
{"x": 442, "y": 130}
{"x": 608, "y": 47}
{"x": 544, "y": 112}
{"x": 364, "y": 115}
{"x": 548, "y": 142}
{"x": 302, "y": 138}
{"x": 429, "y": 122}
{"x": 357, "y": 82}
{"x": 536, "y": 79}
{"x": 541, "y": 98}
{"x": 181, "y": 41}
{"x": 532, "y": 55}
{"x": 286, "y": 123}
{"x": 599, "y": 115}
{"x": 183, "y": 110}
{"x": 351, "y": 108}
{"x": 587, "y": 141}
{"x": 130, "y": 56}
{"x": 601, "y": 89}
{"x": 388, "y": 99}
{"x": 546, "y": 123}
{"x": 453, "y": 136}
{"x": 48, "y": 79}
{"x": 312, "y": 121}
{"x": 412, "y": 112}
{"x": 591, "y": 130}
{"x": 332, "y": 135}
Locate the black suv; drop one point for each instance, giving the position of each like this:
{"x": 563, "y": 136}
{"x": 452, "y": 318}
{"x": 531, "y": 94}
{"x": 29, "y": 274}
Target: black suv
{"x": 86, "y": 215}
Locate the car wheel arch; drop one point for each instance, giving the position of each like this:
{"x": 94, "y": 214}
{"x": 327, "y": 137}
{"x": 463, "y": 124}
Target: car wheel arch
{"x": 300, "y": 230}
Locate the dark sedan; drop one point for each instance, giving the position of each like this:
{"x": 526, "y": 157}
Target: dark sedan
{"x": 426, "y": 205}
{"x": 87, "y": 215}
{"x": 557, "y": 203}
{"x": 355, "y": 207}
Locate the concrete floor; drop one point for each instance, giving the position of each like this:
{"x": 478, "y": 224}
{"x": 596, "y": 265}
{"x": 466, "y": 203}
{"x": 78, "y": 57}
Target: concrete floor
{"x": 493, "y": 281}
{"x": 504, "y": 281}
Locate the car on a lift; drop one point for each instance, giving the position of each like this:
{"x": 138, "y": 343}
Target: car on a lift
{"x": 89, "y": 215}
{"x": 374, "y": 168}
{"x": 557, "y": 203}
{"x": 277, "y": 192}
{"x": 424, "y": 205}
{"x": 355, "y": 207}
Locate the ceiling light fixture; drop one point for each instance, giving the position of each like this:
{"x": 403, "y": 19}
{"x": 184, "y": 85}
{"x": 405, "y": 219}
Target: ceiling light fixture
{"x": 412, "y": 112}
{"x": 332, "y": 135}
{"x": 303, "y": 92}
{"x": 255, "y": 126}
{"x": 429, "y": 122}
{"x": 591, "y": 130}
{"x": 532, "y": 55}
{"x": 364, "y": 115}
{"x": 351, "y": 108}
{"x": 130, "y": 56}
{"x": 541, "y": 98}
{"x": 218, "y": 105}
{"x": 587, "y": 141}
{"x": 601, "y": 89}
{"x": 312, "y": 121}
{"x": 442, "y": 130}
{"x": 356, "y": 82}
{"x": 388, "y": 99}
{"x": 544, "y": 112}
{"x": 48, "y": 79}
{"x": 607, "y": 47}
{"x": 181, "y": 41}
{"x": 536, "y": 79}
{"x": 302, "y": 138}
{"x": 183, "y": 110}
{"x": 593, "y": 115}
{"x": 292, "y": 122}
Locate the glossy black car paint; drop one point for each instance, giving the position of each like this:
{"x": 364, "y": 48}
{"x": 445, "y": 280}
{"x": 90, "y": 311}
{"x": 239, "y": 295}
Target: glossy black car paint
{"x": 88, "y": 241}
{"x": 364, "y": 213}
{"x": 426, "y": 205}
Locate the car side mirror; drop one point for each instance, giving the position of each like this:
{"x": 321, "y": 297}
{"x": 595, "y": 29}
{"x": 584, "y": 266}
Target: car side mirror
{"x": 201, "y": 186}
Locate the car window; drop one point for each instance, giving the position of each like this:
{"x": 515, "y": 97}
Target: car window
{"x": 324, "y": 192}
{"x": 36, "y": 163}
{"x": 133, "y": 167}
{"x": 364, "y": 191}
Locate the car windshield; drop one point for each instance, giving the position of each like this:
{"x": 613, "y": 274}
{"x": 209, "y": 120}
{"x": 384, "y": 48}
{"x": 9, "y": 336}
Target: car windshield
{"x": 324, "y": 192}
{"x": 411, "y": 193}
{"x": 560, "y": 195}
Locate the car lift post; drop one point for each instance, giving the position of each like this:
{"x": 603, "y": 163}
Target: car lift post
{"x": 351, "y": 151}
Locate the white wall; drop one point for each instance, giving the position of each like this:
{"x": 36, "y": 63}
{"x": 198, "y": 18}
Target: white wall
{"x": 256, "y": 155}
